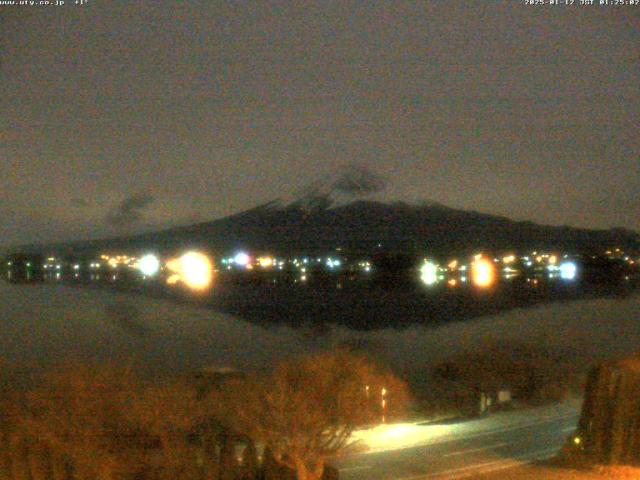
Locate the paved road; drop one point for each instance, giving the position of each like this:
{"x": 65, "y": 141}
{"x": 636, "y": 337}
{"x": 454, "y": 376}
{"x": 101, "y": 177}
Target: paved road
{"x": 462, "y": 449}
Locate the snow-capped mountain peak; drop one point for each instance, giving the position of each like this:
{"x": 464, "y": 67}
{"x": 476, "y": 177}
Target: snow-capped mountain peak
{"x": 352, "y": 183}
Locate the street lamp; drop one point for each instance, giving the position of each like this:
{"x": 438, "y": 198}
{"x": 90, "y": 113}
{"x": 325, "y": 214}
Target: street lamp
{"x": 384, "y": 404}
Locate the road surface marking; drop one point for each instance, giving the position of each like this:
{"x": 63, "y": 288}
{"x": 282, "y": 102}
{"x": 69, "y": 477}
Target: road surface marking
{"x": 358, "y": 467}
{"x": 479, "y": 449}
{"x": 457, "y": 437}
{"x": 492, "y": 466}
{"x": 568, "y": 429}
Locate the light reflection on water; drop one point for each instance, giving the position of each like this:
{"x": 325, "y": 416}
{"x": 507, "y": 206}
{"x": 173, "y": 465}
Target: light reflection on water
{"x": 45, "y": 324}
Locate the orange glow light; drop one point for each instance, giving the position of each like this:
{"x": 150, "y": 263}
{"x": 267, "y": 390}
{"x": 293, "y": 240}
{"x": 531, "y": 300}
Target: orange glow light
{"x": 194, "y": 269}
{"x": 483, "y": 273}
{"x": 265, "y": 262}
{"x": 509, "y": 259}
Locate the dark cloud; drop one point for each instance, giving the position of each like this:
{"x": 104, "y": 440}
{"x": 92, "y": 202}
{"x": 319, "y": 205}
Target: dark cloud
{"x": 130, "y": 212}
{"x": 79, "y": 202}
{"x": 358, "y": 179}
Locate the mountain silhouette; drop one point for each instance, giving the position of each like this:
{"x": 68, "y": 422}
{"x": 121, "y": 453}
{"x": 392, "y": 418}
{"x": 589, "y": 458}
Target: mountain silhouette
{"x": 317, "y": 226}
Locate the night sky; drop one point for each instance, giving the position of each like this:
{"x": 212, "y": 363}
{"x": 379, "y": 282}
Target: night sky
{"x": 117, "y": 119}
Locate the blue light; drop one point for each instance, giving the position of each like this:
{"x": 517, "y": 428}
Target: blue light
{"x": 241, "y": 258}
{"x": 331, "y": 263}
{"x": 568, "y": 270}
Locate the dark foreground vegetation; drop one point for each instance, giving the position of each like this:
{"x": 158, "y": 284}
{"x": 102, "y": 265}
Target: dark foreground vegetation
{"x": 527, "y": 374}
{"x": 606, "y": 444}
{"x": 104, "y": 423}
{"x": 609, "y": 428}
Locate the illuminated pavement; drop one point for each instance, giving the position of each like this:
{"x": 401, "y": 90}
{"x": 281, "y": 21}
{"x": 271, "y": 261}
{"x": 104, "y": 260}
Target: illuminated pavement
{"x": 459, "y": 450}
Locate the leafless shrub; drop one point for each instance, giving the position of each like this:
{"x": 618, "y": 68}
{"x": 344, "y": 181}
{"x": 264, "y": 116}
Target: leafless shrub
{"x": 106, "y": 424}
{"x": 101, "y": 422}
{"x": 307, "y": 408}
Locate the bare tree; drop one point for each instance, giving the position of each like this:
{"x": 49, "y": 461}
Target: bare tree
{"x": 307, "y": 409}
{"x": 100, "y": 422}
{"x": 78, "y": 412}
{"x": 168, "y": 412}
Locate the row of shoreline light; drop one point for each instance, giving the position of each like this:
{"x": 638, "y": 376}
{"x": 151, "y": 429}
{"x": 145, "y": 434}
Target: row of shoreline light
{"x": 195, "y": 270}
{"x": 483, "y": 272}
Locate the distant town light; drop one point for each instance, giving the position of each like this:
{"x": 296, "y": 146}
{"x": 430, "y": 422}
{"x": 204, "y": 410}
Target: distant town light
{"x": 509, "y": 259}
{"x": 265, "y": 262}
{"x": 331, "y": 263}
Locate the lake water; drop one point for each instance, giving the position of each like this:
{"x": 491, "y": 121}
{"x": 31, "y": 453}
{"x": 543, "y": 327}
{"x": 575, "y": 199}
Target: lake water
{"x": 45, "y": 324}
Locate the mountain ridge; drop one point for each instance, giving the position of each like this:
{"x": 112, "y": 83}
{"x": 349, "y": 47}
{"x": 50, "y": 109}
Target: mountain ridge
{"x": 363, "y": 226}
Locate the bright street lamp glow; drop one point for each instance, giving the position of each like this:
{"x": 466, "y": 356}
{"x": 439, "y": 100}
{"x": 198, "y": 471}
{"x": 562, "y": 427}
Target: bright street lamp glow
{"x": 483, "y": 273}
{"x": 241, "y": 258}
{"x": 149, "y": 265}
{"x": 429, "y": 273}
{"x": 568, "y": 270}
{"x": 196, "y": 270}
